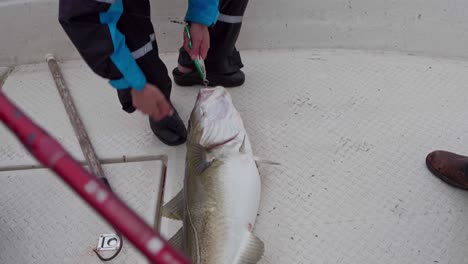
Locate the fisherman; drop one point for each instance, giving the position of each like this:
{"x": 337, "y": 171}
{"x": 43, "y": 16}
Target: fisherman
{"x": 117, "y": 40}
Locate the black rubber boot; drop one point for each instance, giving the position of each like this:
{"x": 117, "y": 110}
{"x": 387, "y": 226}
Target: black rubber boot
{"x": 171, "y": 130}
{"x": 193, "y": 78}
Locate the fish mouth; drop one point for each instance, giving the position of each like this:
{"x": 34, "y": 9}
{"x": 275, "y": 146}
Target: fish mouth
{"x": 206, "y": 93}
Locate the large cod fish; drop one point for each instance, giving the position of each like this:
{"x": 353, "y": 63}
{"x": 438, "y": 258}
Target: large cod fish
{"x": 220, "y": 198}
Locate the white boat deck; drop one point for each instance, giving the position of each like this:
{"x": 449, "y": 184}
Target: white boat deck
{"x": 350, "y": 128}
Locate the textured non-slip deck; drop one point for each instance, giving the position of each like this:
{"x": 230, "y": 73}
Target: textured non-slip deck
{"x": 351, "y": 130}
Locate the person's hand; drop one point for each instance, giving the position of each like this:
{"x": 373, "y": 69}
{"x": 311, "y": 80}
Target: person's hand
{"x": 152, "y": 102}
{"x": 200, "y": 41}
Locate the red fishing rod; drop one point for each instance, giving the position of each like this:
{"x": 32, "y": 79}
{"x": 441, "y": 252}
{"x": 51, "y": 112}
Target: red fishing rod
{"x": 53, "y": 156}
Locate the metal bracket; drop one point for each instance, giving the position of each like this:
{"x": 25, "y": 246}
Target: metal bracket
{"x": 108, "y": 242}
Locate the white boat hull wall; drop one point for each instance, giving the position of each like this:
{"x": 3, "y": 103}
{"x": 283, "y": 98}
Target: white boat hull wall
{"x": 29, "y": 29}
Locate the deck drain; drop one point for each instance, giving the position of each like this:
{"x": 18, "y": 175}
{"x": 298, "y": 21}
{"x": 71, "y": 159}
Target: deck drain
{"x": 108, "y": 242}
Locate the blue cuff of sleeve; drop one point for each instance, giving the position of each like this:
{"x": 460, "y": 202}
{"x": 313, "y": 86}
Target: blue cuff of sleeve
{"x": 122, "y": 84}
{"x": 202, "y": 16}
{"x": 133, "y": 76}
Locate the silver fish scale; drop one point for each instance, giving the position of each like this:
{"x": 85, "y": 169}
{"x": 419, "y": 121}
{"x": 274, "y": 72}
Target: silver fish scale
{"x": 206, "y": 221}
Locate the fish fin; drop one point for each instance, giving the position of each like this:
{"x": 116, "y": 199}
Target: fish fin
{"x": 242, "y": 148}
{"x": 176, "y": 239}
{"x": 259, "y": 161}
{"x": 251, "y": 251}
{"x": 174, "y": 209}
{"x": 199, "y": 158}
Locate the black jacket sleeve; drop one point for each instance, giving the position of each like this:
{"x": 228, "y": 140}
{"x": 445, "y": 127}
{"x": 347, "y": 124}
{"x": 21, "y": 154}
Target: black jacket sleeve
{"x": 91, "y": 26}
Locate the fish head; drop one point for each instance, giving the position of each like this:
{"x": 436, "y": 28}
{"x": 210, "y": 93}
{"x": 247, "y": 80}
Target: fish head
{"x": 214, "y": 120}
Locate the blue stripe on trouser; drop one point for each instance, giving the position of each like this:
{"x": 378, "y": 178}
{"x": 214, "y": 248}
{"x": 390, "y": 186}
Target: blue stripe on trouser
{"x": 122, "y": 57}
